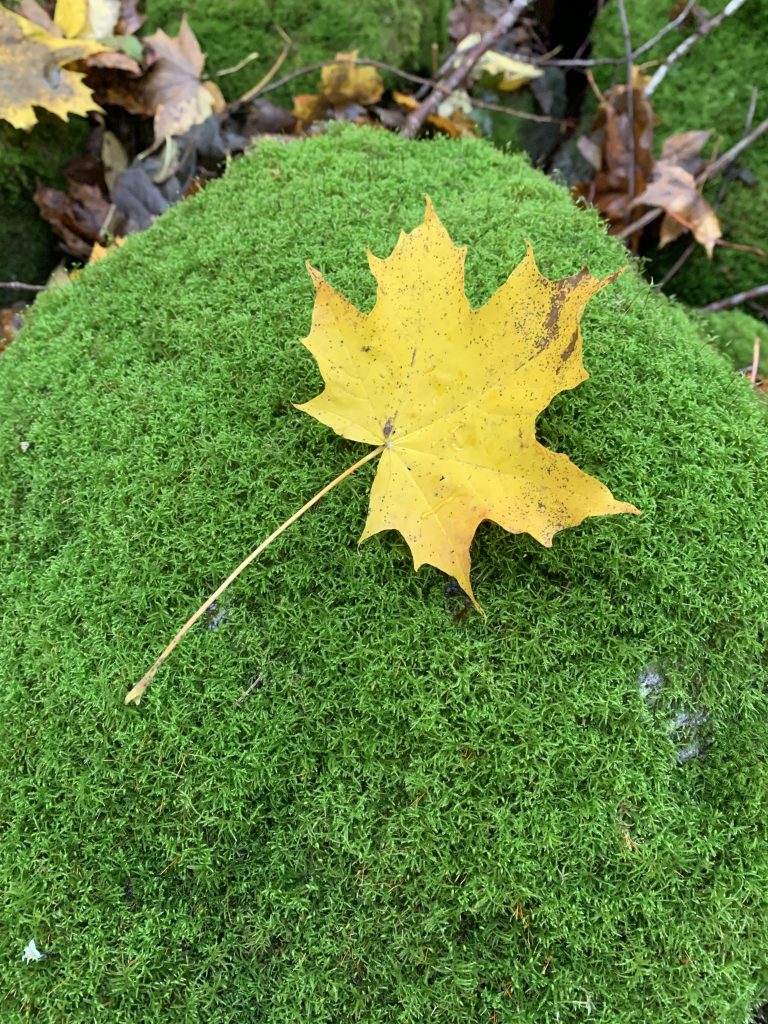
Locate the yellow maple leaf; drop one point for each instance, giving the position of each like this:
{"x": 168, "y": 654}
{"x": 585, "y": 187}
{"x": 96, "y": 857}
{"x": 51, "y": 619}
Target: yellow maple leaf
{"x": 452, "y": 395}
{"x": 32, "y": 72}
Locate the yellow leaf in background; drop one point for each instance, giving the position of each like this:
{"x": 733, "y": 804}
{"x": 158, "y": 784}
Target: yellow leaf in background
{"x": 346, "y": 82}
{"x": 452, "y": 393}
{"x": 32, "y": 72}
{"x": 514, "y": 73}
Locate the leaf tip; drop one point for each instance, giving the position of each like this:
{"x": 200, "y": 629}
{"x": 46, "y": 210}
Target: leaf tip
{"x": 314, "y": 273}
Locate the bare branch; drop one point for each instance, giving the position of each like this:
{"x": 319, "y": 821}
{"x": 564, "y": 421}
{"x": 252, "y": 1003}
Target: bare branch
{"x": 463, "y": 69}
{"x": 19, "y": 286}
{"x": 632, "y": 171}
{"x": 661, "y": 72}
{"x": 735, "y": 300}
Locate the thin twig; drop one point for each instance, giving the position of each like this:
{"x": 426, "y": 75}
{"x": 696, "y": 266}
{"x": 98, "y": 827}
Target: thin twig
{"x": 444, "y": 68}
{"x": 755, "y": 359}
{"x": 514, "y": 112}
{"x": 667, "y": 28}
{"x": 135, "y": 694}
{"x": 19, "y": 286}
{"x": 730, "y": 154}
{"x": 631, "y": 191}
{"x": 661, "y": 72}
{"x": 260, "y": 85}
{"x": 246, "y": 693}
{"x": 415, "y": 120}
{"x": 319, "y": 65}
{"x": 709, "y": 172}
{"x": 735, "y": 300}
{"x": 237, "y": 67}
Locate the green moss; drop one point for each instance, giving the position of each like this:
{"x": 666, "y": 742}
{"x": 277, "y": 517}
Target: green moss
{"x": 27, "y": 247}
{"x": 412, "y": 816}
{"x": 398, "y": 32}
{"x": 733, "y": 334}
{"x": 710, "y": 87}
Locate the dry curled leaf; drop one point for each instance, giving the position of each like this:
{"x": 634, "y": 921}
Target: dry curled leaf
{"x": 77, "y": 216}
{"x": 622, "y": 170}
{"x": 173, "y": 89}
{"x": 673, "y": 189}
{"x": 452, "y": 394}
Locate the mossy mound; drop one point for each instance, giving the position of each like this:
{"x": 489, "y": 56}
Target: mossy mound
{"x": 708, "y": 88}
{"x": 416, "y": 814}
{"x": 398, "y": 31}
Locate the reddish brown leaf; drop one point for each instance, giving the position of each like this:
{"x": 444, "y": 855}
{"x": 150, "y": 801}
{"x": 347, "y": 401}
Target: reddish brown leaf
{"x": 77, "y": 216}
{"x": 622, "y": 170}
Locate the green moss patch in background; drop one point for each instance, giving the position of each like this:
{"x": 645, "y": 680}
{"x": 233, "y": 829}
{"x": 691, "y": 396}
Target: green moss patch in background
{"x": 399, "y": 32}
{"x": 557, "y": 814}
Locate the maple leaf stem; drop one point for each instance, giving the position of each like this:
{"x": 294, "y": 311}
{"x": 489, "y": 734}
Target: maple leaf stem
{"x": 136, "y": 693}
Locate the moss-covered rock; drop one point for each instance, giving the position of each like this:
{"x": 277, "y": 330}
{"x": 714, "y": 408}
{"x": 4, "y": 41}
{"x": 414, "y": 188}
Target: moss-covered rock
{"x": 391, "y": 30}
{"x": 554, "y": 814}
{"x": 710, "y": 87}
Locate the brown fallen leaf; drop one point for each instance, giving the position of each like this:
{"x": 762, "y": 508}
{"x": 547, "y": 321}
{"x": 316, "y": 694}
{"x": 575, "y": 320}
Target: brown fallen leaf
{"x": 11, "y": 322}
{"x": 129, "y": 20}
{"x": 77, "y": 216}
{"x": 622, "y": 171}
{"x": 673, "y": 189}
{"x": 173, "y": 88}
{"x": 684, "y": 149}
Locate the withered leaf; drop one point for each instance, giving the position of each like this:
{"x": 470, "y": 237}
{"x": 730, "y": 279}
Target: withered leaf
{"x": 77, "y": 216}
{"x": 173, "y": 88}
{"x": 673, "y": 189}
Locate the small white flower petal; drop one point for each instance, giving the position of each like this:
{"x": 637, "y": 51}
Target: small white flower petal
{"x": 31, "y": 952}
